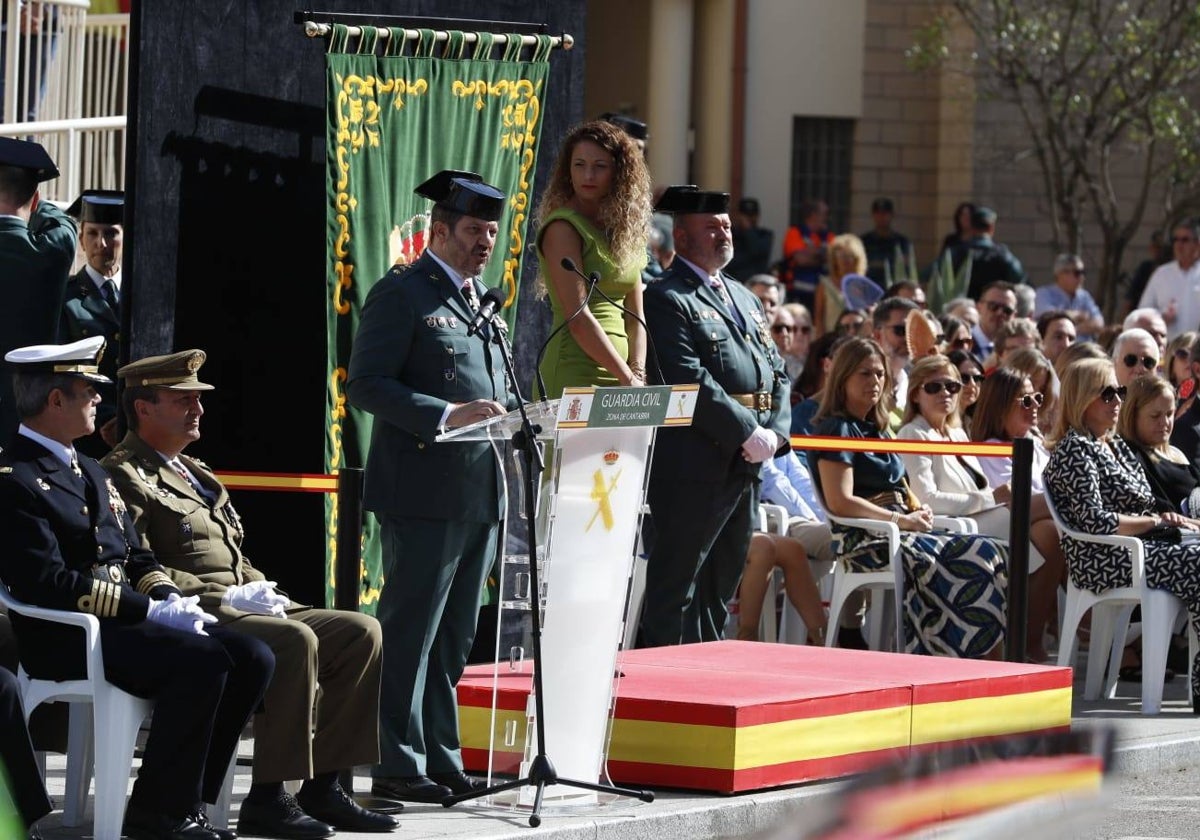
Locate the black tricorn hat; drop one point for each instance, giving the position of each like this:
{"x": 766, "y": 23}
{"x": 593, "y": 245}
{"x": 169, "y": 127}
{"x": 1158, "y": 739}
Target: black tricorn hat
{"x": 690, "y": 199}
{"x": 25, "y": 154}
{"x": 464, "y": 192}
{"x": 633, "y": 127}
{"x": 102, "y": 207}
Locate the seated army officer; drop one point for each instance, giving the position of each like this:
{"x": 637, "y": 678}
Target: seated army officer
{"x": 184, "y": 514}
{"x": 70, "y": 545}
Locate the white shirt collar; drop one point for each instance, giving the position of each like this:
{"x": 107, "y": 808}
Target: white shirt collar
{"x": 454, "y": 275}
{"x": 98, "y": 278}
{"x": 59, "y": 450}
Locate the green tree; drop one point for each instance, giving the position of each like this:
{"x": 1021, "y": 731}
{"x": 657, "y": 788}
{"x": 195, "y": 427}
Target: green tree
{"x": 1103, "y": 88}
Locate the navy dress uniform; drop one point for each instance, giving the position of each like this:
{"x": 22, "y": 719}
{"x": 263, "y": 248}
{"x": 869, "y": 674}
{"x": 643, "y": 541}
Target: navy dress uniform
{"x": 70, "y": 545}
{"x": 37, "y": 257}
{"x": 92, "y": 305}
{"x": 703, "y": 494}
{"x": 439, "y": 504}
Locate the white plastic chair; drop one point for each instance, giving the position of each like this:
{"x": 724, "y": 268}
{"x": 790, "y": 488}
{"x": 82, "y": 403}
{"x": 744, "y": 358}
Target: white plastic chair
{"x": 104, "y": 723}
{"x": 1111, "y": 610}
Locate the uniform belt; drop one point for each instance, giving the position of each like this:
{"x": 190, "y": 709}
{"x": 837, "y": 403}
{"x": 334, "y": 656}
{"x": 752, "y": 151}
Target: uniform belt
{"x": 760, "y": 400}
{"x": 112, "y": 572}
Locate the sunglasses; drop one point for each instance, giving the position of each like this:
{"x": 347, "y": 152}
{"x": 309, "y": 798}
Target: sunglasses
{"x": 1112, "y": 392}
{"x": 850, "y": 326}
{"x": 783, "y": 328}
{"x": 951, "y": 387}
{"x": 977, "y": 378}
{"x": 899, "y": 330}
{"x": 1078, "y": 272}
{"x": 1148, "y": 362}
{"x": 1029, "y": 401}
{"x": 1182, "y": 239}
{"x": 1183, "y": 354}
{"x": 962, "y": 344}
{"x": 996, "y": 306}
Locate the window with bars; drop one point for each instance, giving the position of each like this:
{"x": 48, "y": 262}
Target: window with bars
{"x": 822, "y": 150}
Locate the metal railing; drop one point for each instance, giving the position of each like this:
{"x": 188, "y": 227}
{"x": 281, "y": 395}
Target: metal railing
{"x": 66, "y": 85}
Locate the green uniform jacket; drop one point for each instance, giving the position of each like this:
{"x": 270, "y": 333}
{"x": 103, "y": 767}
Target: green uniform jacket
{"x": 698, "y": 341}
{"x": 411, "y": 357}
{"x": 37, "y": 259}
{"x": 199, "y": 543}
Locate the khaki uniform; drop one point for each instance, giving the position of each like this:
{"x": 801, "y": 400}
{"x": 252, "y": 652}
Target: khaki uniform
{"x": 199, "y": 540}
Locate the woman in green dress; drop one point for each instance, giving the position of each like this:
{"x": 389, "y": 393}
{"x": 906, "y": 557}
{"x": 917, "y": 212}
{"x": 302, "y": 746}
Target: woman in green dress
{"x": 596, "y": 212}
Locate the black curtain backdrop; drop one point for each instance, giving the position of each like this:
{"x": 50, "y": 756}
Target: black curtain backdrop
{"x": 225, "y": 246}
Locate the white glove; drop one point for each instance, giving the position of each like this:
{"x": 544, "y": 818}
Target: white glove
{"x": 180, "y": 613}
{"x": 258, "y": 597}
{"x": 760, "y": 446}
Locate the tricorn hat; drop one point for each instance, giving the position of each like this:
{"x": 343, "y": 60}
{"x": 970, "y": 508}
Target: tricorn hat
{"x": 690, "y": 199}
{"x": 464, "y": 192}
{"x": 101, "y": 207}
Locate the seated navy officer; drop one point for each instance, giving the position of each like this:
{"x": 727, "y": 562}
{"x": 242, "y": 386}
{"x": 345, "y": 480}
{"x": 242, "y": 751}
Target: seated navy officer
{"x": 70, "y": 545}
{"x": 415, "y": 368}
{"x": 92, "y": 305}
{"x": 186, "y": 518}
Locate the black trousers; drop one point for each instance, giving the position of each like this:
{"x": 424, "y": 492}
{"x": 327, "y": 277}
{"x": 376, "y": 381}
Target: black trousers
{"x": 16, "y": 751}
{"x": 204, "y": 688}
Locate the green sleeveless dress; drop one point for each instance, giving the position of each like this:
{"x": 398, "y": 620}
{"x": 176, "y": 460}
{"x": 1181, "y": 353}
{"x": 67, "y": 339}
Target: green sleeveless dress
{"x": 565, "y": 364}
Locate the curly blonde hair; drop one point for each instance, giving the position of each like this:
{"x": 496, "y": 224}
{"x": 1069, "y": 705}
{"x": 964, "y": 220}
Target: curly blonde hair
{"x": 625, "y": 211}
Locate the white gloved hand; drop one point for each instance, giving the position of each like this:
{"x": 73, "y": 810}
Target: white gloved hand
{"x": 760, "y": 446}
{"x": 258, "y": 597}
{"x": 180, "y": 613}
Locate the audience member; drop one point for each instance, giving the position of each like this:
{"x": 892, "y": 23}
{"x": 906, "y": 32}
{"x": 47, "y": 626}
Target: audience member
{"x": 1146, "y": 422}
{"x": 964, "y": 308}
{"x": 1141, "y": 275}
{"x": 971, "y": 374}
{"x": 766, "y": 288}
{"x": 1178, "y": 366}
{"x": 846, "y": 257}
{"x": 954, "y": 485}
{"x": 957, "y": 333}
{"x": 1057, "y": 331}
{"x": 890, "y": 320}
{"x": 955, "y": 613}
{"x": 767, "y": 553}
{"x": 852, "y": 322}
{"x": 783, "y": 332}
{"x": 990, "y": 261}
{"x": 1068, "y": 294}
{"x": 1135, "y": 353}
{"x": 1078, "y": 350}
{"x": 908, "y": 290}
{"x": 997, "y": 306}
{"x": 962, "y": 226}
{"x": 1152, "y": 322}
{"x": 889, "y": 254}
{"x": 1015, "y": 334}
{"x": 1026, "y": 298}
{"x": 804, "y": 251}
{"x": 1174, "y": 287}
{"x": 806, "y": 391}
{"x": 1186, "y": 434}
{"x": 1098, "y": 486}
{"x": 751, "y": 243}
{"x": 1034, "y": 364}
{"x": 797, "y": 354}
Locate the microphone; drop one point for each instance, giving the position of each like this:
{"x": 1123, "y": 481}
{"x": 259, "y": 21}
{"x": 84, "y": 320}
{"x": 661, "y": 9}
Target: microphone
{"x": 591, "y": 281}
{"x": 492, "y": 300}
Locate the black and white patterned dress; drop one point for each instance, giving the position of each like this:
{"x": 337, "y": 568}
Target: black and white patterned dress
{"x": 1091, "y": 481}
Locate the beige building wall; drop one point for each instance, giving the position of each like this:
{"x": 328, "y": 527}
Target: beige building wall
{"x": 804, "y": 58}
{"x": 616, "y": 66}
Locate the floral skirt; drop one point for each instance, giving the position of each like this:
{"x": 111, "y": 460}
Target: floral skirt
{"x": 954, "y": 586}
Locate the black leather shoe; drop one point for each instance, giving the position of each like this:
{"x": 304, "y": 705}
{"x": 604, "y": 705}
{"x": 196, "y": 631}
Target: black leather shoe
{"x": 141, "y": 824}
{"x": 411, "y": 789}
{"x": 280, "y": 817}
{"x": 458, "y": 782}
{"x": 200, "y": 818}
{"x": 334, "y": 806}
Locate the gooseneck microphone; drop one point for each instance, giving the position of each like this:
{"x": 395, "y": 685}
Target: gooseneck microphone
{"x": 491, "y": 301}
{"x": 591, "y": 281}
{"x": 570, "y": 266}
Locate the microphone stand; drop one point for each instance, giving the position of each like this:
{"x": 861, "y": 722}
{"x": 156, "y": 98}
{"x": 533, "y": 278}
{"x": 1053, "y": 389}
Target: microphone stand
{"x": 541, "y": 769}
{"x": 569, "y": 265}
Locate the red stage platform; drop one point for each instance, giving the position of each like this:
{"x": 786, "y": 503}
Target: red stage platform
{"x": 737, "y": 716}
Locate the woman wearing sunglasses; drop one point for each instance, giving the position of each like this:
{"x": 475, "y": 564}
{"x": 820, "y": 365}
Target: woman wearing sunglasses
{"x": 1179, "y": 370}
{"x": 970, "y": 371}
{"x": 1007, "y": 410}
{"x": 1098, "y": 486}
{"x": 955, "y": 485}
{"x": 1034, "y": 364}
{"x": 954, "y": 584}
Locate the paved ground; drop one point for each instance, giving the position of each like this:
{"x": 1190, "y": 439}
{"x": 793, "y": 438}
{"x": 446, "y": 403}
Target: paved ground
{"x": 1148, "y": 749}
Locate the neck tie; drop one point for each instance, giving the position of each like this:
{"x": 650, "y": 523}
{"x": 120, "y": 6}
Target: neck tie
{"x": 75, "y": 464}
{"x": 183, "y": 473}
{"x": 468, "y": 290}
{"x": 108, "y": 291}
{"x": 717, "y": 284}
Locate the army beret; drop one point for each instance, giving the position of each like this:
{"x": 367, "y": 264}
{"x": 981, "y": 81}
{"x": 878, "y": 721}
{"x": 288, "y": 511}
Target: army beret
{"x": 176, "y": 371}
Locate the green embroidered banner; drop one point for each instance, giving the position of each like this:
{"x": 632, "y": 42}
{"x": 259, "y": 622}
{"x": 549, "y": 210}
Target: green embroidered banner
{"x": 392, "y": 121}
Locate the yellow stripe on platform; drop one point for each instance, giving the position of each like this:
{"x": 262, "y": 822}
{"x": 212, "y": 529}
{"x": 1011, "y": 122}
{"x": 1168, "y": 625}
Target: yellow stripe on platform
{"x": 914, "y": 447}
{"x": 954, "y": 720}
{"x": 475, "y": 725}
{"x": 729, "y": 748}
{"x": 305, "y": 482}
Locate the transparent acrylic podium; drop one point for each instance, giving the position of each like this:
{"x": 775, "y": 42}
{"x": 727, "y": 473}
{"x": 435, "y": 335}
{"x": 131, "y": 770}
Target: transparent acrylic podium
{"x": 589, "y": 513}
